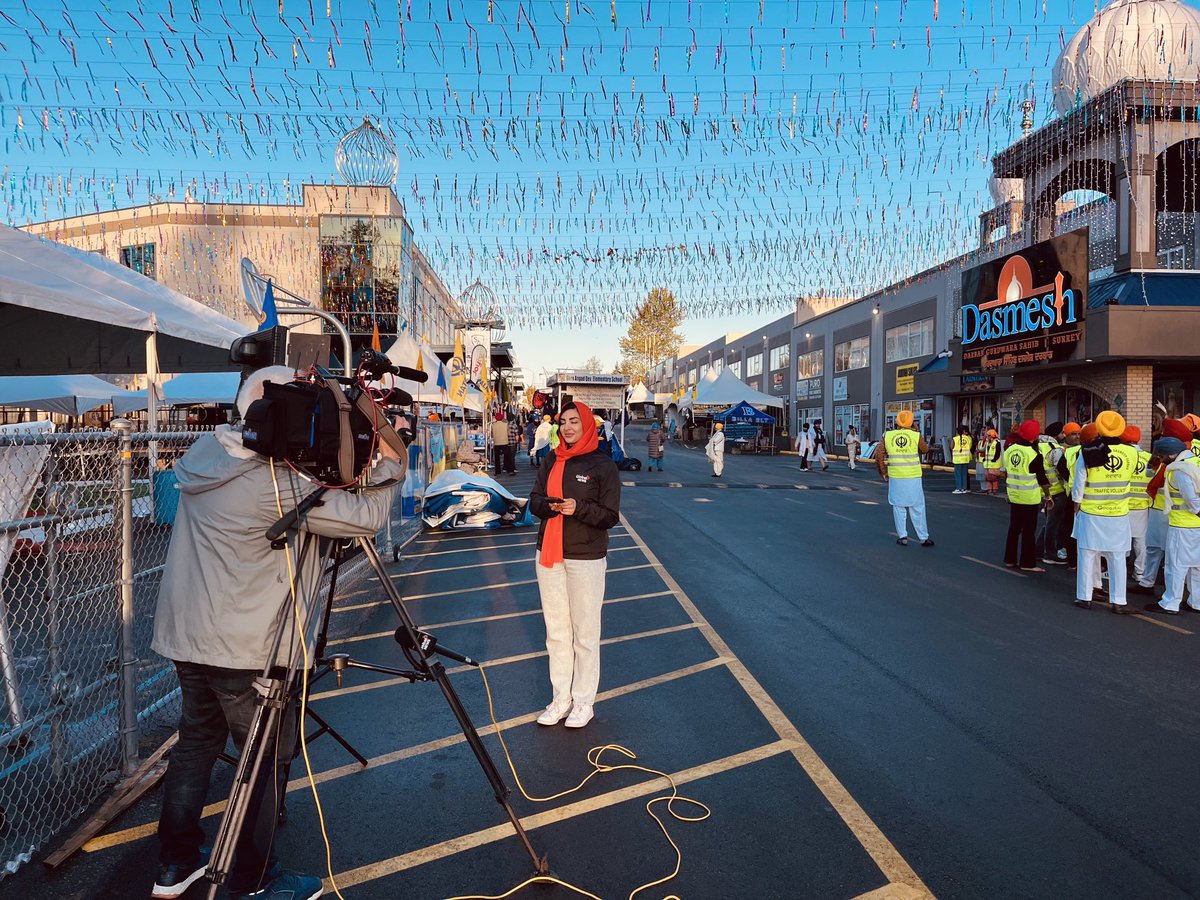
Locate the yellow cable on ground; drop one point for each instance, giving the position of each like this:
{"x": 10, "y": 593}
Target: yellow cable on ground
{"x": 312, "y": 782}
{"x": 594, "y": 757}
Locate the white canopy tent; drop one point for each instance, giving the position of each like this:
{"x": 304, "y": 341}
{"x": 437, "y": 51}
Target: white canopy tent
{"x": 639, "y": 393}
{"x": 406, "y": 352}
{"x": 726, "y": 390}
{"x": 70, "y": 395}
{"x": 184, "y": 390}
{"x": 68, "y": 311}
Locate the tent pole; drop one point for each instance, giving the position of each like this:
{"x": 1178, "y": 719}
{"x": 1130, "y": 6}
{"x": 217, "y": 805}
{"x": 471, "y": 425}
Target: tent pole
{"x": 152, "y": 379}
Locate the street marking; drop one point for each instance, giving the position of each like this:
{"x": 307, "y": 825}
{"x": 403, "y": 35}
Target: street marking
{"x": 893, "y": 891}
{"x": 840, "y": 516}
{"x": 480, "y": 534}
{"x": 496, "y": 618}
{"x": 1005, "y": 569}
{"x": 1161, "y": 624}
{"x": 137, "y": 832}
{"x": 480, "y": 549}
{"x": 491, "y": 664}
{"x": 443, "y": 849}
{"x": 873, "y": 841}
{"x": 498, "y": 562}
{"x": 868, "y": 502}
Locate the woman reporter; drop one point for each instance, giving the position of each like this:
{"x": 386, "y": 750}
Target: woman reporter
{"x": 577, "y": 495}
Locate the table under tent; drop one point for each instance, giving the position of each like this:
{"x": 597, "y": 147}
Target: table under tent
{"x": 747, "y": 430}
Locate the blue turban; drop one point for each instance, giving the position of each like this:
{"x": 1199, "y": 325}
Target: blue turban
{"x": 1169, "y": 446}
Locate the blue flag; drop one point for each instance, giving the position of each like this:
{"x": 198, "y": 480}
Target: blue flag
{"x": 269, "y": 318}
{"x": 441, "y": 379}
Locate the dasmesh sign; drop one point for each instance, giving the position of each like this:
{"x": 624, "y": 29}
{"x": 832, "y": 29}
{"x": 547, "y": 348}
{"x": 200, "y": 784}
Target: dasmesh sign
{"x": 1028, "y": 308}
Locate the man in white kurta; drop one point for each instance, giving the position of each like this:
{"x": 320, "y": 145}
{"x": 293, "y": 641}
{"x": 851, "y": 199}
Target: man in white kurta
{"x": 1183, "y": 538}
{"x": 1101, "y": 536}
{"x": 715, "y": 450}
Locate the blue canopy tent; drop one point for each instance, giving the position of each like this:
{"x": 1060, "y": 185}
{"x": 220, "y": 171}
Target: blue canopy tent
{"x": 744, "y": 426}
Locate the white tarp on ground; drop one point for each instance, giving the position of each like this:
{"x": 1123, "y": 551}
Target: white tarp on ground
{"x": 184, "y": 390}
{"x": 727, "y": 390}
{"x": 68, "y": 310}
{"x": 71, "y": 395}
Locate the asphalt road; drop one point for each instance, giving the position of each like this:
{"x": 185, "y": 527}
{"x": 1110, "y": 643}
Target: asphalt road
{"x": 860, "y": 717}
{"x": 1008, "y": 743}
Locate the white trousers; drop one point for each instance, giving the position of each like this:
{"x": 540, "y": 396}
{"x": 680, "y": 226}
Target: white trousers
{"x": 900, "y": 515}
{"x": 1179, "y": 577}
{"x": 1150, "y": 566}
{"x": 718, "y": 463}
{"x": 1087, "y": 574}
{"x": 1138, "y": 519}
{"x": 572, "y": 597}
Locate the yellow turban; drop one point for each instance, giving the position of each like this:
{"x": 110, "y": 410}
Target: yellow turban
{"x": 904, "y": 418}
{"x": 1110, "y": 424}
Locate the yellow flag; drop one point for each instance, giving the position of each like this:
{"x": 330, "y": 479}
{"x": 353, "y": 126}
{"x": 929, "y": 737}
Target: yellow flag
{"x": 458, "y": 373}
{"x": 420, "y": 367}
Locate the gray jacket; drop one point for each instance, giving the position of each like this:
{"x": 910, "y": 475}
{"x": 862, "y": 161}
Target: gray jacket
{"x": 224, "y": 589}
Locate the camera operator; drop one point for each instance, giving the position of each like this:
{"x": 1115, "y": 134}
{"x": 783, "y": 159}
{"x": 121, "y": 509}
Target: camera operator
{"x": 224, "y": 595}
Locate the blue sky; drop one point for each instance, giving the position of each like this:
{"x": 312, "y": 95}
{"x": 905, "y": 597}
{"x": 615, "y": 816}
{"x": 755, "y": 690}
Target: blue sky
{"x": 739, "y": 152}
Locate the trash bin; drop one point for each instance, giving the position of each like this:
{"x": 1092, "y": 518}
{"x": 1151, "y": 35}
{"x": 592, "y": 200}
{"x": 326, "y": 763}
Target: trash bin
{"x": 166, "y": 497}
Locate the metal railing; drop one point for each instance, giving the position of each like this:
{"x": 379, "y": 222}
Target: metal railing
{"x": 85, "y": 523}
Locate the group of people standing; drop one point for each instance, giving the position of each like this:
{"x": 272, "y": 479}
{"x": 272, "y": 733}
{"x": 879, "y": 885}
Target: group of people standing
{"x": 810, "y": 447}
{"x": 1106, "y": 501}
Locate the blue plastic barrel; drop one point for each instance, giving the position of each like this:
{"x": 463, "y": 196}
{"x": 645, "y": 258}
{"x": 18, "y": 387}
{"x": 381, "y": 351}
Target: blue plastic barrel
{"x": 166, "y": 497}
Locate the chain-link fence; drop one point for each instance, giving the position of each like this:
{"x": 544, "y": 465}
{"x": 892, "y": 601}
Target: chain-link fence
{"x": 85, "y": 522}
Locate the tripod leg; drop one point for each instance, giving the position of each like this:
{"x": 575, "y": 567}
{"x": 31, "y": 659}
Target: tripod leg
{"x": 326, "y": 728}
{"x": 437, "y": 672}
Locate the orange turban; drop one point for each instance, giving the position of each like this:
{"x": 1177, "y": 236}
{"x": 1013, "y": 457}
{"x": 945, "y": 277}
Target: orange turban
{"x": 1131, "y": 435}
{"x": 904, "y": 418}
{"x": 1088, "y": 433}
{"x": 1110, "y": 424}
{"x": 1071, "y": 428}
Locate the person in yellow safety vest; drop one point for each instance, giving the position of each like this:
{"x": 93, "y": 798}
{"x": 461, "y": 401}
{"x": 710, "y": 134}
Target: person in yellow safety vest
{"x": 1192, "y": 421}
{"x": 1158, "y": 527}
{"x": 1101, "y": 496}
{"x": 900, "y": 466}
{"x": 1049, "y": 534}
{"x": 989, "y": 455}
{"x": 1139, "y": 500}
{"x": 960, "y": 456}
{"x": 1182, "y": 487}
{"x": 1028, "y": 491}
{"x": 1074, "y": 437}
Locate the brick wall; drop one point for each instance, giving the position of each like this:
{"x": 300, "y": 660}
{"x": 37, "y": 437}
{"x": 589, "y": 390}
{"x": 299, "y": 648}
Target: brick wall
{"x": 1127, "y": 388}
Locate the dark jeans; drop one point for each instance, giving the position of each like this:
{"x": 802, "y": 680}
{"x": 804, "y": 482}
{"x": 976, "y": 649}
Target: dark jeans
{"x": 218, "y": 703}
{"x": 1022, "y": 527}
{"x": 504, "y": 459}
{"x": 1050, "y": 532}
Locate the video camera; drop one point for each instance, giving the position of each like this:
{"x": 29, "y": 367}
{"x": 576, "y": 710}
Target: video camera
{"x": 329, "y": 426}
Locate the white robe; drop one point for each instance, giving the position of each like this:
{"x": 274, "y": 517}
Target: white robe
{"x": 715, "y": 451}
{"x": 1110, "y": 534}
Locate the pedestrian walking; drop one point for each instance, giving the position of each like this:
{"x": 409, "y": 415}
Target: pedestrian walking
{"x": 503, "y": 459}
{"x": 900, "y": 466}
{"x": 818, "y": 445}
{"x": 852, "y": 445}
{"x": 960, "y": 456}
{"x": 541, "y": 439}
{"x": 1049, "y": 534}
{"x": 1158, "y": 523}
{"x": 990, "y": 455}
{"x": 656, "y": 444}
{"x": 1028, "y": 491}
{"x": 531, "y": 428}
{"x": 804, "y": 446}
{"x": 1139, "y": 500}
{"x": 715, "y": 450}
{"x": 577, "y": 495}
{"x": 673, "y": 426}
{"x": 1101, "y": 497}
{"x": 1182, "y": 488}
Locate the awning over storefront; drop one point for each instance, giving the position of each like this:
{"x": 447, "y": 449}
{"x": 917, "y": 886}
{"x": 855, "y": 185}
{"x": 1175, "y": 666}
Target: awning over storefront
{"x": 1145, "y": 289}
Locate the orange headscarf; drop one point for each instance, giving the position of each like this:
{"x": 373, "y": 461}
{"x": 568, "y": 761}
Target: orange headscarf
{"x": 552, "y": 538}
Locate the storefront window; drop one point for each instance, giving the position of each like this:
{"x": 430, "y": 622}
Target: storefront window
{"x": 808, "y": 414}
{"x": 1075, "y": 405}
{"x": 366, "y": 267}
{"x": 986, "y": 411}
{"x": 1174, "y": 397}
{"x": 811, "y": 364}
{"x": 856, "y": 414}
{"x": 922, "y": 411}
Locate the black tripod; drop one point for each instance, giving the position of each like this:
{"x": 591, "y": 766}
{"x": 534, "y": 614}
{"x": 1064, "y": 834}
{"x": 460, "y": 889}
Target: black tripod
{"x": 276, "y": 691}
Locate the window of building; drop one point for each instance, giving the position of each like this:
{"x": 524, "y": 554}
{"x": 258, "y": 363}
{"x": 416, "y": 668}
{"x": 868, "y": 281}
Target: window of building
{"x": 140, "y": 258}
{"x": 691, "y": 376}
{"x": 811, "y": 364}
{"x": 366, "y": 267}
{"x": 909, "y": 341}
{"x": 854, "y": 354}
{"x": 856, "y": 414}
{"x": 718, "y": 365}
{"x": 703, "y": 370}
{"x": 781, "y": 357}
{"x": 754, "y": 365}
{"x": 736, "y": 368}
{"x": 922, "y": 411}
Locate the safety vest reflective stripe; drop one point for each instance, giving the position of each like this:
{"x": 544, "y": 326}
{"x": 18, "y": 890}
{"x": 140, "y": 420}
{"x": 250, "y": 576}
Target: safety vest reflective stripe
{"x": 1139, "y": 481}
{"x": 1161, "y": 495}
{"x": 961, "y": 451}
{"x": 1107, "y": 490}
{"x": 1180, "y": 516}
{"x": 1047, "y": 446}
{"x": 1022, "y": 485}
{"x": 903, "y": 458}
{"x": 1071, "y": 454}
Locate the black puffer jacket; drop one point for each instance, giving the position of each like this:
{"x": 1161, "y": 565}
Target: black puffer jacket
{"x": 594, "y": 483}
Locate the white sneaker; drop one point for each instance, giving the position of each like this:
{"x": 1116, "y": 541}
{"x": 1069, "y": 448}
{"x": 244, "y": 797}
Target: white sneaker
{"x": 580, "y": 715}
{"x": 554, "y": 713}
